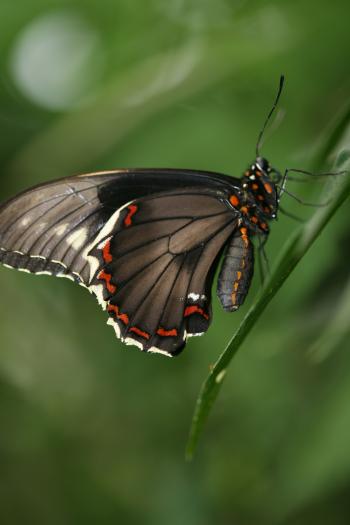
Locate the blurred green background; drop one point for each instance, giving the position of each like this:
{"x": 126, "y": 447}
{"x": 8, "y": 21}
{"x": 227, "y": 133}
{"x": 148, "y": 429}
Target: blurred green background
{"x": 92, "y": 431}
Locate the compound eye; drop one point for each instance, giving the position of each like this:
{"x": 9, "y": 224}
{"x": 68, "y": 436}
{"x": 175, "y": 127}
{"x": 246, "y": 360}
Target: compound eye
{"x": 263, "y": 164}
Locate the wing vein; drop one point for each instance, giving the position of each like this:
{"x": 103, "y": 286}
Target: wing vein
{"x": 64, "y": 195}
{"x": 58, "y": 221}
{"x": 131, "y": 319}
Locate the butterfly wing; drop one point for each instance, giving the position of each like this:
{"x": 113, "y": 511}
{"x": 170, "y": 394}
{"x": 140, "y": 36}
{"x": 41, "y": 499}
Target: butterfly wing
{"x": 152, "y": 266}
{"x": 163, "y": 246}
{"x": 47, "y": 229}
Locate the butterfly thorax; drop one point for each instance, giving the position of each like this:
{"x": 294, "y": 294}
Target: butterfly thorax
{"x": 257, "y": 198}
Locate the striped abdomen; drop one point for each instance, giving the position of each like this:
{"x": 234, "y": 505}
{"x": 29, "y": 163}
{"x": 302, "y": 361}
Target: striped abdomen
{"x": 236, "y": 271}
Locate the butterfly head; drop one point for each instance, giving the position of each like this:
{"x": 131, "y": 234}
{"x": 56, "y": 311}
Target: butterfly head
{"x": 259, "y": 183}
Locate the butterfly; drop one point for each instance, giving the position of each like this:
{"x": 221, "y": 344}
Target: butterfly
{"x": 147, "y": 242}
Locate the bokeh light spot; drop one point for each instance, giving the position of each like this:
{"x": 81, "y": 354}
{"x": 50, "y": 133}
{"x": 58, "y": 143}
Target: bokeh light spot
{"x": 56, "y": 60}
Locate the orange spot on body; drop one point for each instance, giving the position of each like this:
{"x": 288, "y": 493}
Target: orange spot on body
{"x": 255, "y": 186}
{"x": 234, "y": 200}
{"x": 104, "y": 276}
{"x": 263, "y": 225}
{"x": 260, "y": 197}
{"x": 268, "y": 187}
{"x": 167, "y": 333}
{"x": 244, "y": 209}
{"x": 139, "y": 332}
{"x": 114, "y": 308}
{"x": 194, "y": 309}
{"x": 236, "y": 283}
{"x": 106, "y": 252}
{"x": 244, "y": 236}
{"x": 128, "y": 219}
{"x": 233, "y": 298}
{"x": 258, "y": 173}
{"x": 254, "y": 219}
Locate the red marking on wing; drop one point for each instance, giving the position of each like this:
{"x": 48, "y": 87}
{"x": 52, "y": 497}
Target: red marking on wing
{"x": 104, "y": 276}
{"x": 167, "y": 333}
{"x": 194, "y": 309}
{"x": 132, "y": 210}
{"x": 139, "y": 332}
{"x": 114, "y": 308}
{"x": 106, "y": 252}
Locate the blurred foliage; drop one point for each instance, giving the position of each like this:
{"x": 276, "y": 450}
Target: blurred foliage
{"x": 92, "y": 432}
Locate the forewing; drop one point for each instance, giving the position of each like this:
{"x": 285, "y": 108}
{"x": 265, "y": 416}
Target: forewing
{"x": 151, "y": 266}
{"x": 48, "y": 228}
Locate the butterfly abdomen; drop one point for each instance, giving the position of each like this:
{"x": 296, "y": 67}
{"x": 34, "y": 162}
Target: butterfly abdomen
{"x": 236, "y": 271}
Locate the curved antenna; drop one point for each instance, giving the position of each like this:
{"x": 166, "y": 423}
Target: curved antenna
{"x": 258, "y": 144}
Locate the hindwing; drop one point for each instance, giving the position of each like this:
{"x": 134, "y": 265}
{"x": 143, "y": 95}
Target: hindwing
{"x": 152, "y": 266}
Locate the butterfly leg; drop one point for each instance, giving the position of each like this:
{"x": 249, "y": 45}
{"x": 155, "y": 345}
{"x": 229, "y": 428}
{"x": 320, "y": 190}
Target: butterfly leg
{"x": 264, "y": 265}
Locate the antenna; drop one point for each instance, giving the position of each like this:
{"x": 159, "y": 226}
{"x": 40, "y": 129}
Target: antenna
{"x": 258, "y": 144}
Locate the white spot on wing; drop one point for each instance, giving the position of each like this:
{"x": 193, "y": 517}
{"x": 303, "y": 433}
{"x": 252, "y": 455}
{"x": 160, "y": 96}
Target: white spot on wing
{"x": 155, "y": 350}
{"x": 59, "y": 230}
{"x": 195, "y": 335}
{"x": 97, "y": 289}
{"x": 77, "y": 238}
{"x": 94, "y": 264}
{"x": 25, "y": 221}
{"x": 196, "y": 296}
{"x": 59, "y": 262}
{"x": 104, "y": 233}
{"x": 131, "y": 341}
{"x": 38, "y": 257}
{"x": 114, "y": 324}
{"x": 14, "y": 268}
{"x": 66, "y": 276}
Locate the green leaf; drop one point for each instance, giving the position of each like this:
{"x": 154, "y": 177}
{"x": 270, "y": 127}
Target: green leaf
{"x": 294, "y": 250}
